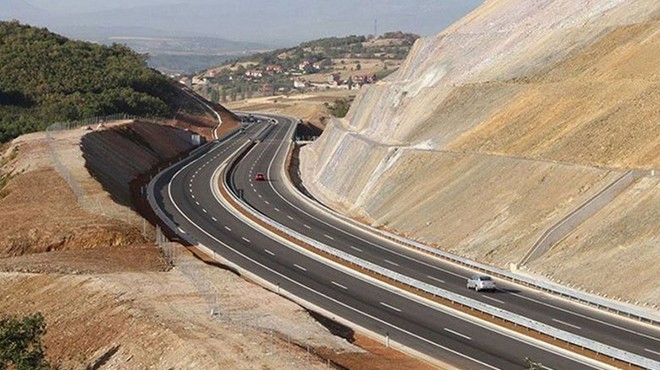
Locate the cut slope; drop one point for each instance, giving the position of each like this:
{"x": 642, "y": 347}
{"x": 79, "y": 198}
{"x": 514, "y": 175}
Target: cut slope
{"x": 501, "y": 125}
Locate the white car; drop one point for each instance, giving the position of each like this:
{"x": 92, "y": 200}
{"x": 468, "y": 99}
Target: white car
{"x": 481, "y": 282}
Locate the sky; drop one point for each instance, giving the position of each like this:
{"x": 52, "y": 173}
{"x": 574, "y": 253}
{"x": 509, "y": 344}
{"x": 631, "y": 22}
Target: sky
{"x": 268, "y": 22}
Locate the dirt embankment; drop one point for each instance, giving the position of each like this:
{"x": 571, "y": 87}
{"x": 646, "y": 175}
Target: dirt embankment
{"x": 110, "y": 298}
{"x": 311, "y": 107}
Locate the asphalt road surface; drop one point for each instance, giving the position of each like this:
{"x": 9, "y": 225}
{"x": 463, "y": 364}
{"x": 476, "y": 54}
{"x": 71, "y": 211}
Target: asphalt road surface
{"x": 185, "y": 194}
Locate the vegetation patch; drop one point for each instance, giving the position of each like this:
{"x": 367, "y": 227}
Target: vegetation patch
{"x": 340, "y": 108}
{"x": 47, "y": 78}
{"x": 21, "y": 344}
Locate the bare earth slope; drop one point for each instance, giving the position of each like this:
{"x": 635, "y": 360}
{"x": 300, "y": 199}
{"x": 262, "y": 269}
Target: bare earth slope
{"x": 110, "y": 298}
{"x": 500, "y": 126}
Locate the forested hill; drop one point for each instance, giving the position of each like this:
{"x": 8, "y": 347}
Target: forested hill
{"x": 46, "y": 78}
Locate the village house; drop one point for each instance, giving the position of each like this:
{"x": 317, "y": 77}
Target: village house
{"x": 274, "y": 68}
{"x": 254, "y": 73}
{"x": 334, "y": 79}
{"x": 299, "y": 83}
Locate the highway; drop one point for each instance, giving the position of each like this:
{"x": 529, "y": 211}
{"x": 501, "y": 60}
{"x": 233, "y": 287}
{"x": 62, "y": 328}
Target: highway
{"x": 276, "y": 200}
{"x": 187, "y": 195}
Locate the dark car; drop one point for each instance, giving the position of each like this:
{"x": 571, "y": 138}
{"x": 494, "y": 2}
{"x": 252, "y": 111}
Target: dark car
{"x": 259, "y": 177}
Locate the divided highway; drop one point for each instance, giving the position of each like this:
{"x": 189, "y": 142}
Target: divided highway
{"x": 276, "y": 200}
{"x": 186, "y": 195}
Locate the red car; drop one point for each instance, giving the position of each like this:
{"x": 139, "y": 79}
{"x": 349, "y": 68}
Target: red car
{"x": 259, "y": 177}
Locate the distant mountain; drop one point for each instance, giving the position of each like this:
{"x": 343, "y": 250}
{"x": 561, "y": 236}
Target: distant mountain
{"x": 185, "y": 45}
{"x": 276, "y": 23}
{"x": 18, "y": 9}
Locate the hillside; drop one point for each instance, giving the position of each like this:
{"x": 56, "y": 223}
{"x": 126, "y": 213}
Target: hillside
{"x": 499, "y": 127}
{"x": 47, "y": 78}
{"x": 339, "y": 63}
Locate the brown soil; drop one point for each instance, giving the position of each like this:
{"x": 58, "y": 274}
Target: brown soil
{"x": 311, "y": 107}
{"x": 111, "y": 299}
{"x": 40, "y": 214}
{"x": 132, "y": 258}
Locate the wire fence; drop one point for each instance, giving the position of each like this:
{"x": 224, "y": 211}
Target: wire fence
{"x": 98, "y": 203}
{"x": 225, "y": 311}
{"x": 221, "y": 311}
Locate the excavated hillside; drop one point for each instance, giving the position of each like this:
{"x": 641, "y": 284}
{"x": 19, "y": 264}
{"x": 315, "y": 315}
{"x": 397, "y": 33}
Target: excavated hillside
{"x": 111, "y": 299}
{"x": 504, "y": 124}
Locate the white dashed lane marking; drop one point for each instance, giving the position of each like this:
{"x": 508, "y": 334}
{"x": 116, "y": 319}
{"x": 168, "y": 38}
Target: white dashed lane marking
{"x": 339, "y": 285}
{"x": 269, "y": 252}
{"x": 300, "y": 267}
{"x": 228, "y": 229}
{"x": 356, "y": 249}
{"x": 492, "y": 299}
{"x": 457, "y": 333}
{"x": 390, "y": 307}
{"x": 392, "y": 263}
{"x": 567, "y": 324}
{"x": 436, "y": 279}
{"x": 246, "y": 239}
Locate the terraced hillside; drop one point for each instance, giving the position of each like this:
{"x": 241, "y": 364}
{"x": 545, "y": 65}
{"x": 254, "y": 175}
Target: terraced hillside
{"x": 501, "y": 126}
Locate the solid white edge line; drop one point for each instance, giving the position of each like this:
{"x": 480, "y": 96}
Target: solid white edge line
{"x": 541, "y": 345}
{"x": 457, "y": 353}
{"x": 587, "y": 317}
{"x": 437, "y": 267}
{"x": 338, "y": 302}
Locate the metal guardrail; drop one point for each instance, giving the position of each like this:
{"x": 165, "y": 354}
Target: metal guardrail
{"x": 492, "y": 311}
{"x": 549, "y": 287}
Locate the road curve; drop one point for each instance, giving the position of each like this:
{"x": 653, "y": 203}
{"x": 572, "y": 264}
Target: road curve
{"x": 185, "y": 195}
{"x": 276, "y": 200}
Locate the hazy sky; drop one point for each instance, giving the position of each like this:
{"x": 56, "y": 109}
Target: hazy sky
{"x": 86, "y": 6}
{"x": 270, "y": 22}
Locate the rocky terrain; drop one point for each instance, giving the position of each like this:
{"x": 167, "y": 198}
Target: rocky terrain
{"x": 503, "y": 124}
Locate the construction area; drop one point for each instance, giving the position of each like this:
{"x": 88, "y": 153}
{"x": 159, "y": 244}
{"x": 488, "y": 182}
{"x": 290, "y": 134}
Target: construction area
{"x": 111, "y": 298}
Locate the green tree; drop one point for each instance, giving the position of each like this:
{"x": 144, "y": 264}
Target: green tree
{"x": 340, "y": 108}
{"x": 21, "y": 347}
